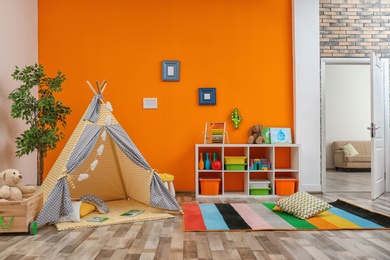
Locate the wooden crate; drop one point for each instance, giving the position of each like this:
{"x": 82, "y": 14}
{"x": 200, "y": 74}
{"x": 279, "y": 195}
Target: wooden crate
{"x": 23, "y": 212}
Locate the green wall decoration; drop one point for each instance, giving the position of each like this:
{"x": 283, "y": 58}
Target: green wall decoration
{"x": 236, "y": 118}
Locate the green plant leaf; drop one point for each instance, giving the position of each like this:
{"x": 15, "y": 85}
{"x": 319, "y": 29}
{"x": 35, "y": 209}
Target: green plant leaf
{"x": 41, "y": 113}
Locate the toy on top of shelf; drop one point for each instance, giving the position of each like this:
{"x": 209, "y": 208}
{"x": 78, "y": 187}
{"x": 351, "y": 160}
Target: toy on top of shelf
{"x": 256, "y": 134}
{"x": 236, "y": 118}
{"x": 215, "y": 133}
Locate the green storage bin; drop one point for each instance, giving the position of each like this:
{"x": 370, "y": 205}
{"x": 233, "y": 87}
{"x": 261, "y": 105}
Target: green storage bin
{"x": 237, "y": 167}
{"x": 259, "y": 191}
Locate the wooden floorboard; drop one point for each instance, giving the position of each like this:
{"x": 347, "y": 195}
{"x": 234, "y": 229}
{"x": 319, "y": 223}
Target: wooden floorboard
{"x": 354, "y": 180}
{"x": 165, "y": 239}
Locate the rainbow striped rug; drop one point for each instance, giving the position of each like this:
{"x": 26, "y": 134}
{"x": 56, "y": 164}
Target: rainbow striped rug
{"x": 260, "y": 216}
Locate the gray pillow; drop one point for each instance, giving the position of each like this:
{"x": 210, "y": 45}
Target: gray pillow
{"x": 95, "y": 200}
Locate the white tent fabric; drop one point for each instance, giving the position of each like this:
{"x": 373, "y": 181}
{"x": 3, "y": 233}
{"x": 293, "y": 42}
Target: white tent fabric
{"x": 117, "y": 171}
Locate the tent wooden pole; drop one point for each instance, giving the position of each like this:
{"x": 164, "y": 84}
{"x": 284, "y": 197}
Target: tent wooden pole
{"x": 90, "y": 86}
{"x": 99, "y": 87}
{"x": 104, "y": 85}
{"x": 100, "y": 91}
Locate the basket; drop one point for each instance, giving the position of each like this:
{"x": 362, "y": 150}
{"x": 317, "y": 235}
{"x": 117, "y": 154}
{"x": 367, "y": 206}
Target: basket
{"x": 285, "y": 186}
{"x": 209, "y": 186}
{"x": 235, "y": 159}
{"x": 259, "y": 191}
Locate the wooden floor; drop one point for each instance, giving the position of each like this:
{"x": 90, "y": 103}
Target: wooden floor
{"x": 344, "y": 181}
{"x": 165, "y": 239}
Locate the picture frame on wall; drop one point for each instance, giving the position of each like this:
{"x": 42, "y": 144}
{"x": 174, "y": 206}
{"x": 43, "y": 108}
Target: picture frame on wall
{"x": 207, "y": 96}
{"x": 170, "y": 70}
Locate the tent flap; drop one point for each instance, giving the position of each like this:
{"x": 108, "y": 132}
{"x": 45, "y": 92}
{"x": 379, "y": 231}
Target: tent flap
{"x": 160, "y": 196}
{"x": 92, "y": 114}
{"x": 127, "y": 146}
{"x": 58, "y": 204}
{"x": 83, "y": 147}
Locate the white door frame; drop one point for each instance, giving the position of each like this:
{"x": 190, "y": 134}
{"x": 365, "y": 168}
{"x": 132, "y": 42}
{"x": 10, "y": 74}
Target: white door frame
{"x": 329, "y": 61}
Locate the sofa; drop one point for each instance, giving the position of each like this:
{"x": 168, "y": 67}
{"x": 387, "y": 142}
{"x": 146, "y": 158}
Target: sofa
{"x": 352, "y": 154}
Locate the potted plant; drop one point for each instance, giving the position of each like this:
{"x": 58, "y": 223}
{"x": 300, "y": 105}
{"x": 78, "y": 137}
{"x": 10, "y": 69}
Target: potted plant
{"x": 43, "y": 113}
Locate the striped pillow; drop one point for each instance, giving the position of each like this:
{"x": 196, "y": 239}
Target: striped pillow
{"x": 303, "y": 205}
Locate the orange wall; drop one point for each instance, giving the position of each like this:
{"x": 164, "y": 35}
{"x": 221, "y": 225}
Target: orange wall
{"x": 242, "y": 48}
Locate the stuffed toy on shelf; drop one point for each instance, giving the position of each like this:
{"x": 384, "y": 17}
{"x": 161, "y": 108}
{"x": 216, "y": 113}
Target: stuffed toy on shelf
{"x": 256, "y": 134}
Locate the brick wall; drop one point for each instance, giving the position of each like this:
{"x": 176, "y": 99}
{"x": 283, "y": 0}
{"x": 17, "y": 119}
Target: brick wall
{"x": 352, "y": 28}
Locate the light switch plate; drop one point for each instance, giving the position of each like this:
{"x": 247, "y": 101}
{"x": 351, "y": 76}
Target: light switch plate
{"x": 150, "y": 103}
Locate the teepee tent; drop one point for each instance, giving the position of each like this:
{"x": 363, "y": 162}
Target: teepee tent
{"x": 100, "y": 159}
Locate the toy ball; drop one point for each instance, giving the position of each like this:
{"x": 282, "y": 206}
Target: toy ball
{"x": 216, "y": 165}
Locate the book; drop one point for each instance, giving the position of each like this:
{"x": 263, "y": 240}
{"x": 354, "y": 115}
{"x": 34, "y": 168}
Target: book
{"x": 267, "y": 135}
{"x": 97, "y": 219}
{"x": 132, "y": 212}
{"x": 280, "y": 135}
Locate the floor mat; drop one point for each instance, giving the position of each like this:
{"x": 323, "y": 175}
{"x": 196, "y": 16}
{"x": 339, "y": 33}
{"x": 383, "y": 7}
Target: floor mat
{"x": 261, "y": 216}
{"x": 117, "y": 207}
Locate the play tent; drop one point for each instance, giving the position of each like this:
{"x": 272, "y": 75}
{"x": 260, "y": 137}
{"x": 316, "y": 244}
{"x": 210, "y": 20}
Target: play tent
{"x": 100, "y": 159}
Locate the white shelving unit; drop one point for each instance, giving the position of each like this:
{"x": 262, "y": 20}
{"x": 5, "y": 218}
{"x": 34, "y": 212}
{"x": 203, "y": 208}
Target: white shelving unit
{"x": 236, "y": 183}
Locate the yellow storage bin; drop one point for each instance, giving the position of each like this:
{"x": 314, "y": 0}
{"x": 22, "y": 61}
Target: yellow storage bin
{"x": 235, "y": 159}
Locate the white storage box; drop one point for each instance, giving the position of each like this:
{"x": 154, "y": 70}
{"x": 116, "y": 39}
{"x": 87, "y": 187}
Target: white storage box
{"x": 255, "y": 184}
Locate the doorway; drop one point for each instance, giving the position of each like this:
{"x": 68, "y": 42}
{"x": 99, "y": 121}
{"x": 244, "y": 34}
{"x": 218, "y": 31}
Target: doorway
{"x": 345, "y": 109}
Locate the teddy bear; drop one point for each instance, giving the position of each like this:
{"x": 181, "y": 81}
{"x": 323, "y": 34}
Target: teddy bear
{"x": 256, "y": 134}
{"x": 11, "y": 190}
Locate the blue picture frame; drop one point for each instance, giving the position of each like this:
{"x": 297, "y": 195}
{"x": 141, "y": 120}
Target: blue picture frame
{"x": 171, "y": 70}
{"x": 207, "y": 96}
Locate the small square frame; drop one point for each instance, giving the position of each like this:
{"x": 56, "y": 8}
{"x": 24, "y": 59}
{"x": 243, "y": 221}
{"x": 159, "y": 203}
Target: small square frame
{"x": 207, "y": 96}
{"x": 170, "y": 70}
